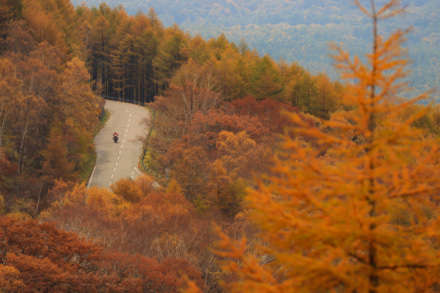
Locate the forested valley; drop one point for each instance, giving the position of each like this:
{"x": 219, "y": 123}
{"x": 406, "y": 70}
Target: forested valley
{"x": 272, "y": 178}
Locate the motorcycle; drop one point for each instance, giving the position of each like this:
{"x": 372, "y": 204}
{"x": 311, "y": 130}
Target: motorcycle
{"x": 115, "y": 138}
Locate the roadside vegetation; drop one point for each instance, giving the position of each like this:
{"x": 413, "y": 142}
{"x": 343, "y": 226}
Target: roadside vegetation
{"x": 272, "y": 179}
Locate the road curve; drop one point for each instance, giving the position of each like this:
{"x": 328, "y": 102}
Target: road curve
{"x": 119, "y": 160}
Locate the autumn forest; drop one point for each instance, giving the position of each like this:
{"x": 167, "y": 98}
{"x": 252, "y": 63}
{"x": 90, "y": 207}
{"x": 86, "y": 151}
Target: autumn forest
{"x": 271, "y": 178}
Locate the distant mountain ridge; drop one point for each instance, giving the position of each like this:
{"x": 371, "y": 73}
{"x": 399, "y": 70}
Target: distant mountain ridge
{"x": 300, "y": 31}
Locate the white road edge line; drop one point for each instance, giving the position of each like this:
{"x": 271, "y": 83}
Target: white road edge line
{"x": 91, "y": 177}
{"x": 136, "y": 169}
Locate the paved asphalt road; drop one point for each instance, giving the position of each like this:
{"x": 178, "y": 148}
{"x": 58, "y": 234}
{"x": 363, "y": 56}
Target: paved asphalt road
{"x": 119, "y": 160}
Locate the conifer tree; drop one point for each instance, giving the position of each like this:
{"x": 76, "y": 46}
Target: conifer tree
{"x": 358, "y": 210}
{"x": 57, "y": 164}
{"x": 265, "y": 80}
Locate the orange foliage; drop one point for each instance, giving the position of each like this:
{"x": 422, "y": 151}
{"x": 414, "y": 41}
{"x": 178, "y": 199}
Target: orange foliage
{"x": 267, "y": 111}
{"x": 162, "y": 224}
{"x": 57, "y": 164}
{"x": 41, "y": 257}
{"x": 205, "y": 128}
{"x": 43, "y": 96}
{"x": 10, "y": 280}
{"x": 234, "y": 150}
{"x": 166, "y": 210}
{"x": 46, "y": 22}
{"x": 63, "y": 194}
{"x": 126, "y": 190}
{"x": 358, "y": 210}
{"x": 101, "y": 201}
{"x": 145, "y": 184}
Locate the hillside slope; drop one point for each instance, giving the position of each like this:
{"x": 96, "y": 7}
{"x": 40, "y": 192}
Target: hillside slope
{"x": 301, "y": 31}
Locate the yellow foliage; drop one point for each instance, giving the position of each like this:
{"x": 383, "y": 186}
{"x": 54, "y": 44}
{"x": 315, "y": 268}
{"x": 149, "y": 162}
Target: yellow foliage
{"x": 2, "y": 205}
{"x": 20, "y": 216}
{"x": 201, "y": 204}
{"x": 235, "y": 150}
{"x": 10, "y": 279}
{"x": 121, "y": 207}
{"x": 101, "y": 200}
{"x": 76, "y": 197}
{"x": 174, "y": 187}
{"x": 126, "y": 190}
{"x": 192, "y": 287}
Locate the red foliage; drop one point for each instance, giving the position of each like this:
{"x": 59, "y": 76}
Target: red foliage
{"x": 269, "y": 112}
{"x": 48, "y": 259}
{"x": 205, "y": 129}
{"x": 135, "y": 273}
{"x": 7, "y": 168}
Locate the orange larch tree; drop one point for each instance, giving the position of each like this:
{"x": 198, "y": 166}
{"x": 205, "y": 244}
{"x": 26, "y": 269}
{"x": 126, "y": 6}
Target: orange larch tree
{"x": 358, "y": 210}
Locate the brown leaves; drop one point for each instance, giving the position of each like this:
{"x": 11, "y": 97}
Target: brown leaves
{"x": 162, "y": 224}
{"x": 40, "y": 257}
{"x": 10, "y": 279}
{"x": 234, "y": 151}
{"x": 126, "y": 190}
{"x": 57, "y": 164}
{"x": 19, "y": 40}
{"x": 39, "y": 100}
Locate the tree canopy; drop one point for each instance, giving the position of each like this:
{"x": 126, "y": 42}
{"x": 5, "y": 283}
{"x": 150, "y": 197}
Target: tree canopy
{"x": 300, "y": 31}
{"x": 356, "y": 211}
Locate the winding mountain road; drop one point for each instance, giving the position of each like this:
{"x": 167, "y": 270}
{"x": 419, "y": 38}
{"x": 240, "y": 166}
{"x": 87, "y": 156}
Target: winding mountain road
{"x": 119, "y": 160}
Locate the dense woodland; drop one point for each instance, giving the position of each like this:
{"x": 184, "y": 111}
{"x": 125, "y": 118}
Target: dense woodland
{"x": 333, "y": 185}
{"x": 300, "y": 31}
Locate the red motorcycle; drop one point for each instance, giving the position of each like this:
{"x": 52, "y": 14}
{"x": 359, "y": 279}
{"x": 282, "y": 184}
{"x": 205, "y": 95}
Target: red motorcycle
{"x": 115, "y": 137}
